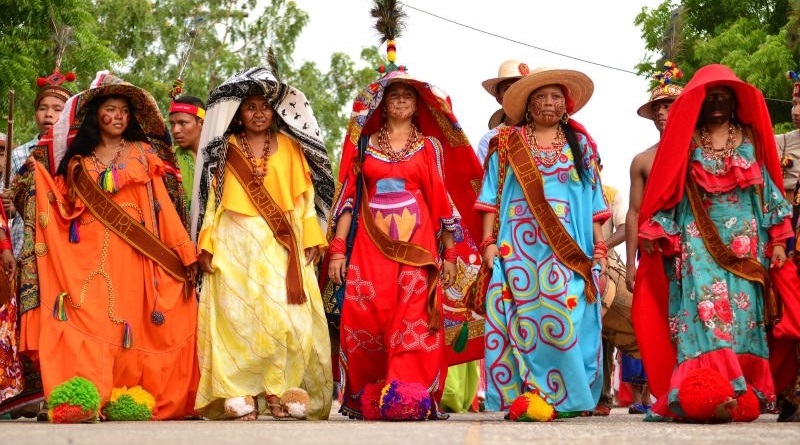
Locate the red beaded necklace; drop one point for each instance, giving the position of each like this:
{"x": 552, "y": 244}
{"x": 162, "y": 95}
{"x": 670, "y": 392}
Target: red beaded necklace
{"x": 259, "y": 169}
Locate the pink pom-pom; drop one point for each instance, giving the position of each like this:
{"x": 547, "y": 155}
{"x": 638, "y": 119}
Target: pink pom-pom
{"x": 405, "y": 401}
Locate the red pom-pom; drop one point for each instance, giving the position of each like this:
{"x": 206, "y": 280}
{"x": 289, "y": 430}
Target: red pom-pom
{"x": 702, "y": 392}
{"x": 748, "y": 407}
{"x": 70, "y": 76}
{"x": 69, "y": 414}
{"x": 382, "y": 69}
{"x": 371, "y": 401}
{"x": 41, "y": 82}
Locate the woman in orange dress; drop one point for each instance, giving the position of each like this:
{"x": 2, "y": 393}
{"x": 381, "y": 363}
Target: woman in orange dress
{"x": 114, "y": 258}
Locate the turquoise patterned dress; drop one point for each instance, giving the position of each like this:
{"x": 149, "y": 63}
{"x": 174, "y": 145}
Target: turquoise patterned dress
{"x": 540, "y": 331}
{"x": 716, "y": 319}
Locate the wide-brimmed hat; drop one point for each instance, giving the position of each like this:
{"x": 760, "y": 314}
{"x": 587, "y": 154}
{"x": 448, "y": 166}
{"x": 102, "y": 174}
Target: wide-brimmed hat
{"x": 578, "y": 88}
{"x": 509, "y": 70}
{"x": 669, "y": 91}
{"x": 497, "y": 118}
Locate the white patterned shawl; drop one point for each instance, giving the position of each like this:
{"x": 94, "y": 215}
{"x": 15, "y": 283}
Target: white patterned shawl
{"x": 295, "y": 119}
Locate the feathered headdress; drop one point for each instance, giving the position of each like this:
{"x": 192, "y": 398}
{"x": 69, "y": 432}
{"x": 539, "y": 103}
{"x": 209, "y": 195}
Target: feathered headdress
{"x": 389, "y": 24}
{"x": 51, "y": 86}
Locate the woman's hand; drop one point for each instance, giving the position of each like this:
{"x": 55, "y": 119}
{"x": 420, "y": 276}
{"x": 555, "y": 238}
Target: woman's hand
{"x": 9, "y": 262}
{"x": 778, "y": 256}
{"x": 650, "y": 246}
{"x": 337, "y": 270}
{"x": 30, "y": 163}
{"x": 204, "y": 261}
{"x": 312, "y": 255}
{"x": 191, "y": 272}
{"x": 449, "y": 272}
{"x": 489, "y": 253}
{"x": 630, "y": 275}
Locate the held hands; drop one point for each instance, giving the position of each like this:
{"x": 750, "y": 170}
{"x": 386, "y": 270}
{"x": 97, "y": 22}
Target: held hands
{"x": 191, "y": 272}
{"x": 204, "y": 261}
{"x": 489, "y": 254}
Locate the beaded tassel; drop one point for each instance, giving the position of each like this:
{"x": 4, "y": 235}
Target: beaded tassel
{"x": 109, "y": 179}
{"x": 460, "y": 342}
{"x": 60, "y": 308}
{"x": 74, "y": 233}
{"x": 127, "y": 335}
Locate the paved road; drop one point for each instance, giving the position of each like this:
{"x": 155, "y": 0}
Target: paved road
{"x": 469, "y": 429}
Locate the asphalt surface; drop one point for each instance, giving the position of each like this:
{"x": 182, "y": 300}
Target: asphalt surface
{"x": 468, "y": 429}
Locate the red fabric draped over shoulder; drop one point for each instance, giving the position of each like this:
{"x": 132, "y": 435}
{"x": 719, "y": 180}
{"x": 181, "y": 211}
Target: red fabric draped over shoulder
{"x": 665, "y": 188}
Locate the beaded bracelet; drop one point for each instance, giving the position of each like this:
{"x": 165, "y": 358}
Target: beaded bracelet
{"x": 337, "y": 245}
{"x": 600, "y": 250}
{"x": 487, "y": 242}
{"x": 450, "y": 255}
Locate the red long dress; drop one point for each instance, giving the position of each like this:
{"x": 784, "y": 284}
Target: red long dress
{"x": 385, "y": 334}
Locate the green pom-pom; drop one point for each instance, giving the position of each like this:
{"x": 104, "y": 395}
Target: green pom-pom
{"x": 126, "y": 409}
{"x": 76, "y": 391}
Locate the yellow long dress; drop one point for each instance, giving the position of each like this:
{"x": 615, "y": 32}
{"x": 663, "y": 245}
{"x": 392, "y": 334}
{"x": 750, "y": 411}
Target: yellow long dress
{"x": 250, "y": 340}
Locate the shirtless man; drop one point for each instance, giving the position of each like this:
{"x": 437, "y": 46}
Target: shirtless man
{"x": 656, "y": 109}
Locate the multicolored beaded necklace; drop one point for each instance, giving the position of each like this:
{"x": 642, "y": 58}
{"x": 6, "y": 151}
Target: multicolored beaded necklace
{"x": 546, "y": 155}
{"x": 259, "y": 168}
{"x": 108, "y": 178}
{"x": 385, "y": 145}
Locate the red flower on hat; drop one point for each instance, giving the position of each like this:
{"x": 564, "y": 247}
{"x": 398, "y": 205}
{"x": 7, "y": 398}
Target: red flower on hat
{"x": 523, "y": 69}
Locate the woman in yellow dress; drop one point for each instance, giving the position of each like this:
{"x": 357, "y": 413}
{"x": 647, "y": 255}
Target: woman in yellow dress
{"x": 262, "y": 333}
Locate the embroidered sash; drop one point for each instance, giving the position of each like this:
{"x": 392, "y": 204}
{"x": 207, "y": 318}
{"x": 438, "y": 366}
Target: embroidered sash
{"x": 405, "y": 253}
{"x": 564, "y": 246}
{"x": 747, "y": 268}
{"x": 275, "y": 218}
{"x": 122, "y": 223}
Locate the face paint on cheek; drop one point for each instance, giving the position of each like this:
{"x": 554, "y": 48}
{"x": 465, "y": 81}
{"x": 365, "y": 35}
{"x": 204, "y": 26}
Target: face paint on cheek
{"x": 106, "y": 119}
{"x": 560, "y": 106}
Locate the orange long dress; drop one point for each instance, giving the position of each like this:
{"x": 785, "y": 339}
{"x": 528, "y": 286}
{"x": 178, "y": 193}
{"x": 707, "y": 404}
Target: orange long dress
{"x": 109, "y": 284}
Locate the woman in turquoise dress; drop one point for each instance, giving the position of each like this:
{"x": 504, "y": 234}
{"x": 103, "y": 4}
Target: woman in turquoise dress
{"x": 708, "y": 317}
{"x": 542, "y": 319}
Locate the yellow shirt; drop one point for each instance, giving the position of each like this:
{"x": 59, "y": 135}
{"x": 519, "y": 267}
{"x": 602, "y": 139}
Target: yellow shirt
{"x": 288, "y": 181}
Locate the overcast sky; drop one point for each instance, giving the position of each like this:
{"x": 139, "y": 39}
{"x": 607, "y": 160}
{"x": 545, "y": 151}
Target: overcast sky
{"x": 457, "y": 59}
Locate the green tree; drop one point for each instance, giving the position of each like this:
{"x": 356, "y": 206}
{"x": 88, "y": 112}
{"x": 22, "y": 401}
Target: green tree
{"x": 757, "y": 39}
{"x": 225, "y": 36}
{"x": 28, "y": 47}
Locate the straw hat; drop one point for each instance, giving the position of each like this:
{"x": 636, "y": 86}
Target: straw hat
{"x": 669, "y": 91}
{"x": 579, "y": 88}
{"x": 510, "y": 69}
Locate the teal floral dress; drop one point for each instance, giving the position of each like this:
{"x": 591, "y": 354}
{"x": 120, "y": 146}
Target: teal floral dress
{"x": 716, "y": 319}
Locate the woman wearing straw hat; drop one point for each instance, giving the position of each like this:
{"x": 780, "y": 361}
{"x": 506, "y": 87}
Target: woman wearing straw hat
{"x": 543, "y": 319}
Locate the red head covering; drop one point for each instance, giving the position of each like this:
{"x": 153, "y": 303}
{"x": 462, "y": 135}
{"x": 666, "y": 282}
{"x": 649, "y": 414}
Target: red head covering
{"x": 665, "y": 188}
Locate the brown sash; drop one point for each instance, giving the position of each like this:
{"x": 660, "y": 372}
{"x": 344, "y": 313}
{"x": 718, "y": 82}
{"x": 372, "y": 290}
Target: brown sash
{"x": 122, "y": 223}
{"x": 564, "y": 246}
{"x": 747, "y": 268}
{"x": 275, "y": 218}
{"x": 405, "y": 253}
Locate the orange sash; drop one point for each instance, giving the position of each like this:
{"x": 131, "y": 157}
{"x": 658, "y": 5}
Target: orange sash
{"x": 747, "y": 268}
{"x": 405, "y": 253}
{"x": 122, "y": 223}
{"x": 275, "y": 218}
{"x": 564, "y": 246}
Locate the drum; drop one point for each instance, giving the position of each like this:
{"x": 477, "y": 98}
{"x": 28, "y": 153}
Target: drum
{"x": 617, "y": 303}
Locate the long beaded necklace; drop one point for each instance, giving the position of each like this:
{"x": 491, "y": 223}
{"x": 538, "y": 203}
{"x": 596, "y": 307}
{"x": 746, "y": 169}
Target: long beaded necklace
{"x": 711, "y": 153}
{"x": 108, "y": 178}
{"x": 546, "y": 155}
{"x": 386, "y": 147}
{"x": 259, "y": 168}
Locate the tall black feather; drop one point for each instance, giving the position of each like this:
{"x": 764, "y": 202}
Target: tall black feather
{"x": 389, "y": 15}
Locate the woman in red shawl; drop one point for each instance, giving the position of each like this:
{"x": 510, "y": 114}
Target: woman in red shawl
{"x": 712, "y": 222}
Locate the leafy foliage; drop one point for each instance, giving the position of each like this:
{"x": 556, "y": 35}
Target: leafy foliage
{"x": 759, "y": 40}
